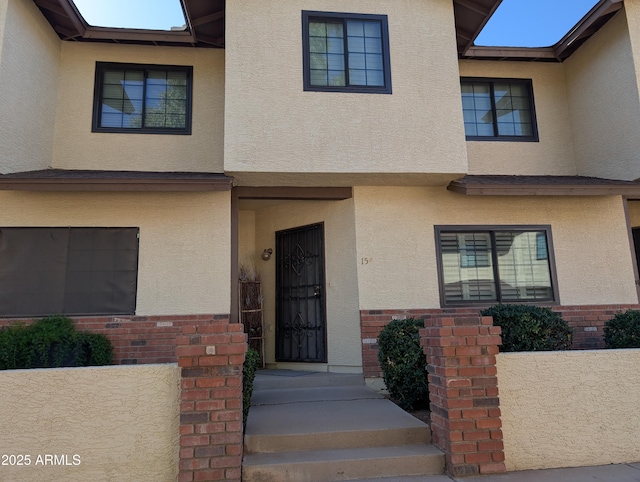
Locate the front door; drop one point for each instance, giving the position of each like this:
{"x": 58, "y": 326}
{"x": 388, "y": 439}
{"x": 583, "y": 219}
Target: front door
{"x": 300, "y": 305}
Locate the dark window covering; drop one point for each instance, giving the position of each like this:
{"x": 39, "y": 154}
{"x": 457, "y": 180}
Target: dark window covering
{"x": 74, "y": 271}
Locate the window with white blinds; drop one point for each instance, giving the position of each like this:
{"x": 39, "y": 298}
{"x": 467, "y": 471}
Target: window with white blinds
{"x": 506, "y": 264}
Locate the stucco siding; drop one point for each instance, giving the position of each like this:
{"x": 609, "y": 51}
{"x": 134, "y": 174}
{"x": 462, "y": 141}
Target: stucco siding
{"x": 76, "y": 147}
{"x": 247, "y": 254}
{"x": 29, "y": 67}
{"x": 603, "y": 100}
{"x": 417, "y": 129}
{"x": 634, "y": 213}
{"x": 553, "y": 153}
{"x": 121, "y": 422}
{"x": 569, "y": 409}
{"x": 3, "y": 17}
{"x": 184, "y": 257}
{"x": 342, "y": 315}
{"x": 395, "y": 233}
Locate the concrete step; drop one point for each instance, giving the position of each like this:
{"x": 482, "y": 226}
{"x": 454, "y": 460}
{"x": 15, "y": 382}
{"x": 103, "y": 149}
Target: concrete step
{"x": 409, "y": 478}
{"x": 346, "y": 464}
{"x": 328, "y": 418}
{"x": 282, "y": 379}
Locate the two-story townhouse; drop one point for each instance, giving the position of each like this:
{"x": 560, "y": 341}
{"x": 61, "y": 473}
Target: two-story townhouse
{"x": 383, "y": 164}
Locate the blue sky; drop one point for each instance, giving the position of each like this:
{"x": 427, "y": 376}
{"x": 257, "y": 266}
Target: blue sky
{"x": 147, "y": 14}
{"x": 532, "y": 23}
{"x": 516, "y": 23}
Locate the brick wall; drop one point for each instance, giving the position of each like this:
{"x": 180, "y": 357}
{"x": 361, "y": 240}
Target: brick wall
{"x": 138, "y": 339}
{"x": 210, "y": 351}
{"x": 587, "y": 322}
{"x": 211, "y": 356}
{"x": 463, "y": 391}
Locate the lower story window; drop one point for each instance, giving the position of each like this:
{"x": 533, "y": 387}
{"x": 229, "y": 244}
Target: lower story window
{"x": 73, "y": 271}
{"x": 495, "y": 264}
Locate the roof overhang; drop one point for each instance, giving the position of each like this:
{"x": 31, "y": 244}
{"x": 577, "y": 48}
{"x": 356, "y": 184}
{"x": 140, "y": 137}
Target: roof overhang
{"x": 204, "y": 25}
{"x": 600, "y": 14}
{"x": 205, "y": 28}
{"x": 114, "y": 181}
{"x": 470, "y": 18}
{"x": 544, "y": 186}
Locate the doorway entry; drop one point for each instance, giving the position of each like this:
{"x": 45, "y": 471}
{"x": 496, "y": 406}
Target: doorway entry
{"x": 300, "y": 295}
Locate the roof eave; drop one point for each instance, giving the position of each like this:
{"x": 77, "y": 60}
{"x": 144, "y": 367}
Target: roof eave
{"x": 104, "y": 181}
{"x": 468, "y": 188}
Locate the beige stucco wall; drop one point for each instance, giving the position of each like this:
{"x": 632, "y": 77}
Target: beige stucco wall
{"x": 342, "y": 316}
{"x": 569, "y": 409}
{"x": 416, "y": 129}
{"x": 395, "y": 231}
{"x": 634, "y": 213}
{"x": 29, "y": 65}
{"x": 184, "y": 257}
{"x": 121, "y": 421}
{"x": 247, "y": 254}
{"x": 553, "y": 154}
{"x": 76, "y": 147}
{"x": 3, "y": 17}
{"x": 603, "y": 99}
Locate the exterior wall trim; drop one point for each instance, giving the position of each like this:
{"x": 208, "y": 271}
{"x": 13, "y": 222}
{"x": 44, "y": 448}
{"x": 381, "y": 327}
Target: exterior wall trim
{"x": 113, "y": 181}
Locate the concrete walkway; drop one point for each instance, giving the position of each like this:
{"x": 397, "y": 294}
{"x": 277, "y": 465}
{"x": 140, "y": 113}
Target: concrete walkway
{"x": 600, "y": 473}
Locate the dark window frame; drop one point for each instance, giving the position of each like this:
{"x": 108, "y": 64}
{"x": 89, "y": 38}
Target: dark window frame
{"x": 336, "y": 17}
{"x": 498, "y": 137}
{"x": 98, "y": 91}
{"x": 492, "y": 228}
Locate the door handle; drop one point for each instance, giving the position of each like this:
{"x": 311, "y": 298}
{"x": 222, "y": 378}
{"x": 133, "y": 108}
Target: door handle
{"x": 317, "y": 291}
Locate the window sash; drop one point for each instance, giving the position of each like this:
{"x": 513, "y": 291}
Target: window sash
{"x": 345, "y": 52}
{"x": 131, "y": 98}
{"x": 479, "y": 265}
{"x": 498, "y": 109}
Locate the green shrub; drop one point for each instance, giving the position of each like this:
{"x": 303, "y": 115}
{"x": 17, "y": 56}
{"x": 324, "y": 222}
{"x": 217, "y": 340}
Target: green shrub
{"x": 51, "y": 342}
{"x": 251, "y": 362}
{"x": 403, "y": 363}
{"x": 623, "y": 330}
{"x": 14, "y": 347}
{"x": 530, "y": 328}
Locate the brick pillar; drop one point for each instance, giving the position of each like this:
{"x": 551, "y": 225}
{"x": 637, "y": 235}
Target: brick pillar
{"x": 211, "y": 355}
{"x": 463, "y": 390}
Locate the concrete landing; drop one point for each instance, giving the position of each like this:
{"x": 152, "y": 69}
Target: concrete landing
{"x": 322, "y": 427}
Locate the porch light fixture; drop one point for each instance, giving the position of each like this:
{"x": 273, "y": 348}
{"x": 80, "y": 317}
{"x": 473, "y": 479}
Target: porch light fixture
{"x": 266, "y": 254}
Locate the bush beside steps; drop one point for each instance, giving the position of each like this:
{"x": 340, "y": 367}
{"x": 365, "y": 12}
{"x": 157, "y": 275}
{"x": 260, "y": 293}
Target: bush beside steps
{"x": 403, "y": 363}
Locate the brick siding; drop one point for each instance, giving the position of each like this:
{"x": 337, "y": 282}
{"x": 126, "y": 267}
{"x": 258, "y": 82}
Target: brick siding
{"x": 587, "y": 322}
{"x": 211, "y": 356}
{"x": 137, "y": 339}
{"x": 463, "y": 391}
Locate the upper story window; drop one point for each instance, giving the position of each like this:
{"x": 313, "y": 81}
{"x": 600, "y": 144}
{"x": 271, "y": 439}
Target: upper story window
{"x": 133, "y": 98}
{"x": 489, "y": 264}
{"x": 498, "y": 109}
{"x": 346, "y": 52}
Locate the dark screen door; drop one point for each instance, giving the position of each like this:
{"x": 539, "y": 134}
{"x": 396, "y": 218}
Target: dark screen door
{"x": 300, "y": 305}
